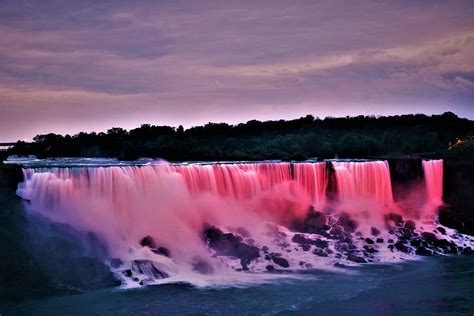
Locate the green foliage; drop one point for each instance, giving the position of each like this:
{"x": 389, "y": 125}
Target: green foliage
{"x": 306, "y": 137}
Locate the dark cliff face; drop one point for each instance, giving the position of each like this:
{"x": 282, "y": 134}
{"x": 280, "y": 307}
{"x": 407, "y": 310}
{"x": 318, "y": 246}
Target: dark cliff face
{"x": 406, "y": 175}
{"x": 458, "y": 187}
{"x": 25, "y": 271}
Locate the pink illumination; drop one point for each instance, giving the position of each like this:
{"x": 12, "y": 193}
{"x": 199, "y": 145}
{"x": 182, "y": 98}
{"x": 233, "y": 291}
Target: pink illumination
{"x": 368, "y": 180}
{"x": 433, "y": 174}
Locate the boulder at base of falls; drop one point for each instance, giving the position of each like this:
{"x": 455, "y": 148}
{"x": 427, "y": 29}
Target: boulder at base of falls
{"x": 282, "y": 262}
{"x": 349, "y": 225}
{"x": 374, "y": 231}
{"x": 148, "y": 268}
{"x": 227, "y": 244}
{"x": 149, "y": 242}
{"x": 394, "y": 218}
{"x": 356, "y": 259}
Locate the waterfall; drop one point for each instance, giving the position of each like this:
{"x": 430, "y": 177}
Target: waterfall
{"x": 164, "y": 221}
{"x": 433, "y": 176}
{"x": 369, "y": 180}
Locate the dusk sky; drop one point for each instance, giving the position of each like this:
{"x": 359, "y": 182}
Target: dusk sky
{"x": 70, "y": 66}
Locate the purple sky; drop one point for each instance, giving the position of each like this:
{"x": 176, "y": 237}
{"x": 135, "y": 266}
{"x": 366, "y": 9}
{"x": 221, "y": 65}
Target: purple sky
{"x": 70, "y": 66}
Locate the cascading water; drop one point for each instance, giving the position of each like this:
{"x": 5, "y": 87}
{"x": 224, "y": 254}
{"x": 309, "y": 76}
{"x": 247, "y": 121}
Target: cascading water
{"x": 368, "y": 180}
{"x": 433, "y": 175}
{"x": 204, "y": 223}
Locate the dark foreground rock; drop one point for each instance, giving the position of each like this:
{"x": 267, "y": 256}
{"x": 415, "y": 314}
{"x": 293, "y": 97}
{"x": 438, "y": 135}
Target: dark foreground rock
{"x": 227, "y": 244}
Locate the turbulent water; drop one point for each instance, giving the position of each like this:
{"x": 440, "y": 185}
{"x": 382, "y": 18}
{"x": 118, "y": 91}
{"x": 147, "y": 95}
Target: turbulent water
{"x": 240, "y": 223}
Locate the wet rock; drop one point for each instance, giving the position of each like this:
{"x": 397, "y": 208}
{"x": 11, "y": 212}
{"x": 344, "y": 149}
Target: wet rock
{"x": 203, "y": 267}
{"x": 306, "y": 247}
{"x": 422, "y": 251}
{"x": 302, "y": 240}
{"x": 148, "y": 268}
{"x": 162, "y": 251}
{"x": 320, "y": 252}
{"x": 127, "y": 273}
{"x": 148, "y": 241}
{"x": 227, "y": 244}
{"x": 265, "y": 249}
{"x": 397, "y": 219}
{"x": 356, "y": 259}
{"x": 321, "y": 243}
{"x": 441, "y": 230}
{"x": 270, "y": 268}
{"x": 358, "y": 234}
{"x": 429, "y": 237}
{"x": 369, "y": 241}
{"x": 410, "y": 225}
{"x": 466, "y": 251}
{"x": 379, "y": 240}
{"x": 282, "y": 262}
{"x": 316, "y": 221}
{"x": 401, "y": 247}
{"x": 336, "y": 232}
{"x": 390, "y": 241}
{"x": 116, "y": 262}
{"x": 416, "y": 242}
{"x": 348, "y": 224}
{"x": 370, "y": 250}
{"x": 374, "y": 231}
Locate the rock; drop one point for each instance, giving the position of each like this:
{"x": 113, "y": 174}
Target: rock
{"x": 429, "y": 237}
{"x": 466, "y": 251}
{"x": 390, "y": 241}
{"x": 229, "y": 245}
{"x": 315, "y": 221}
{"x": 356, "y": 259}
{"x": 401, "y": 247}
{"x": 369, "y": 241}
{"x": 116, "y": 262}
{"x": 203, "y": 267}
{"x": 370, "y": 249}
{"x": 305, "y": 247}
{"x": 410, "y": 225}
{"x": 347, "y": 223}
{"x": 127, "y": 273}
{"x": 336, "y": 232}
{"x": 148, "y": 241}
{"x": 320, "y": 252}
{"x": 379, "y": 240}
{"x": 422, "y": 251}
{"x": 282, "y": 262}
{"x": 397, "y": 219}
{"x": 321, "y": 243}
{"x": 302, "y": 240}
{"x": 265, "y": 249}
{"x": 441, "y": 230}
{"x": 162, "y": 251}
{"x": 270, "y": 268}
{"x": 374, "y": 231}
{"x": 148, "y": 268}
{"x": 358, "y": 234}
{"x": 416, "y": 242}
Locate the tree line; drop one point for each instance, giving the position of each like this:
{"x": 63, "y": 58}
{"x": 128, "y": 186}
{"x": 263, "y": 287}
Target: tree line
{"x": 298, "y": 139}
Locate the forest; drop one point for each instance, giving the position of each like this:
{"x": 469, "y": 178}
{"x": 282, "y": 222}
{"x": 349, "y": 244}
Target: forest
{"x": 445, "y": 135}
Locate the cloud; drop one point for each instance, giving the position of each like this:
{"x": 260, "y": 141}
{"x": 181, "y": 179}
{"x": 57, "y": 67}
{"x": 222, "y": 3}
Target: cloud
{"x": 118, "y": 62}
